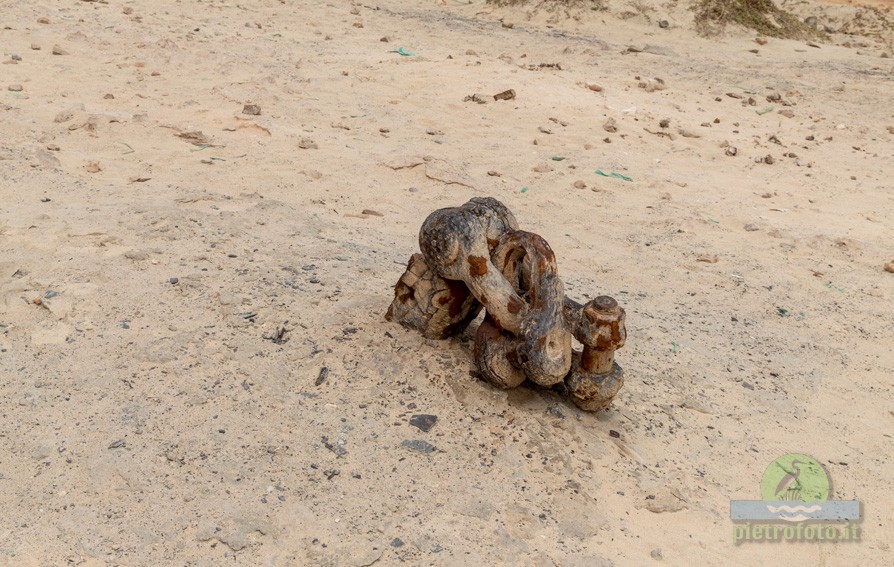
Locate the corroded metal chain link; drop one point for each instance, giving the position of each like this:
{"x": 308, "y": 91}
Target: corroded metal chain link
{"x": 474, "y": 257}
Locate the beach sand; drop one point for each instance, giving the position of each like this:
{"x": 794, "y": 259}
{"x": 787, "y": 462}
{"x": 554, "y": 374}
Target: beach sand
{"x": 155, "y": 239}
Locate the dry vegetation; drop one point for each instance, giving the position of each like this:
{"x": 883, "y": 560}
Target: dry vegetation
{"x": 763, "y": 16}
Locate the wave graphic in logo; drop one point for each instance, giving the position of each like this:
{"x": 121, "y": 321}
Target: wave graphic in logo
{"x": 793, "y": 510}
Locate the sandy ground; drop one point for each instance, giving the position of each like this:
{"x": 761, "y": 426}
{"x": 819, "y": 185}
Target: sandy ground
{"x": 148, "y": 421}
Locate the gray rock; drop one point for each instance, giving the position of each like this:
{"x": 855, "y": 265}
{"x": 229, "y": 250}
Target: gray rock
{"x": 419, "y": 446}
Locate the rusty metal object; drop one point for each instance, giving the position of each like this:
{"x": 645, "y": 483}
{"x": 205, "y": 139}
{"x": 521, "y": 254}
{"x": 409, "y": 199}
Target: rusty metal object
{"x": 434, "y": 306}
{"x": 474, "y": 256}
{"x": 542, "y": 344}
{"x": 599, "y": 326}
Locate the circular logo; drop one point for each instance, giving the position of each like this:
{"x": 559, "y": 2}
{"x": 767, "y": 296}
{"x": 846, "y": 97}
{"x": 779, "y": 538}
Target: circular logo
{"x": 795, "y": 477}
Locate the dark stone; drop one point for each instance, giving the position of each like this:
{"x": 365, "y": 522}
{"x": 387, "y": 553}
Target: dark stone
{"x": 663, "y": 24}
{"x": 397, "y": 542}
{"x": 423, "y": 421}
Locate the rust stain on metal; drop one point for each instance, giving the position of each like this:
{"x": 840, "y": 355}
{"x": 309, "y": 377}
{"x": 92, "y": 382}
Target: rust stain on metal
{"x": 477, "y": 265}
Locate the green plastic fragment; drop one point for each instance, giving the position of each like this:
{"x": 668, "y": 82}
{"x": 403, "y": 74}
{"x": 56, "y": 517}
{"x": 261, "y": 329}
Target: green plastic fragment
{"x": 614, "y": 174}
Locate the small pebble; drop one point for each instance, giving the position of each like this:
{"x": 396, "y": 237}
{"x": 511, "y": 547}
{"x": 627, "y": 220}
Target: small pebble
{"x": 423, "y": 421}
{"x": 610, "y": 126}
{"x": 251, "y": 109}
{"x": 663, "y": 24}
{"x": 751, "y": 227}
{"x": 15, "y": 57}
{"x": 174, "y": 281}
{"x": 419, "y": 446}
{"x": 14, "y": 88}
{"x": 889, "y": 267}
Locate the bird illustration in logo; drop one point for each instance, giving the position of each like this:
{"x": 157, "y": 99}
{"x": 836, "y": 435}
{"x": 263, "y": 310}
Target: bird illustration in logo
{"x": 789, "y": 487}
